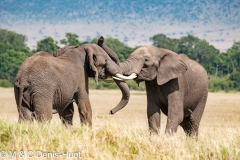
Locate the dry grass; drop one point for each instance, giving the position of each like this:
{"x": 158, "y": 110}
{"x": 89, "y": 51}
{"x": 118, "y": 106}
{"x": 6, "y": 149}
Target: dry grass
{"x": 125, "y": 135}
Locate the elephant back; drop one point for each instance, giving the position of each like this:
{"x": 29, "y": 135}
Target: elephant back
{"x": 61, "y": 51}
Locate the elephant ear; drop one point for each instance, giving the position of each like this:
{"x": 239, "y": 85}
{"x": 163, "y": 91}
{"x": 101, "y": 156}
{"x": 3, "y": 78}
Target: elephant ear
{"x": 108, "y": 50}
{"x": 171, "y": 66}
{"x": 91, "y": 62}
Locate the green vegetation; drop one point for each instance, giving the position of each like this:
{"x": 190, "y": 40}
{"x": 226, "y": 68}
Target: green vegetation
{"x": 47, "y": 45}
{"x": 13, "y": 52}
{"x": 223, "y": 68}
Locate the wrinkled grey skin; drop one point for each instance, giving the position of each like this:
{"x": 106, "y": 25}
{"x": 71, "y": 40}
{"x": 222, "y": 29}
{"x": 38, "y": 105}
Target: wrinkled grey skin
{"x": 44, "y": 82}
{"x": 175, "y": 85}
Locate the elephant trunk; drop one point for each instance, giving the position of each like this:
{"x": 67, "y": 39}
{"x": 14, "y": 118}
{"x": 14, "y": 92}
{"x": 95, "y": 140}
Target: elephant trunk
{"x": 131, "y": 65}
{"x": 121, "y": 84}
{"x": 112, "y": 67}
{"x": 127, "y": 68}
{"x": 125, "y": 96}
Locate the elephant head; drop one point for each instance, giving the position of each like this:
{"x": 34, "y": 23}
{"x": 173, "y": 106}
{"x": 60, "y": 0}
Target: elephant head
{"x": 149, "y": 62}
{"x": 101, "y": 65}
{"x": 106, "y": 66}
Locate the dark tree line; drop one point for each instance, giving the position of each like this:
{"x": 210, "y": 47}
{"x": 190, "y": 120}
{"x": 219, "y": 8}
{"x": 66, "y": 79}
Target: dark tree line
{"x": 223, "y": 68}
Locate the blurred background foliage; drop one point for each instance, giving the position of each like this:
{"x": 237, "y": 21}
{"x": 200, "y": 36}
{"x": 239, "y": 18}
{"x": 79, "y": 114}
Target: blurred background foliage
{"x": 223, "y": 67}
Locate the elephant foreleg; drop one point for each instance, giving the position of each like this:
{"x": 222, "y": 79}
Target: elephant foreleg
{"x": 67, "y": 115}
{"x": 84, "y": 107}
{"x": 175, "y": 112}
{"x": 153, "y": 113}
{"x": 153, "y": 110}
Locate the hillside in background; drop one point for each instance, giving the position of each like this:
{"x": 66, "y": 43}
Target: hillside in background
{"x": 132, "y": 22}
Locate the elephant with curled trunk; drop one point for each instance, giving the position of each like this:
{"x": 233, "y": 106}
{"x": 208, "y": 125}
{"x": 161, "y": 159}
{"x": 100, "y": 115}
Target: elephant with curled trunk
{"x": 45, "y": 82}
{"x": 175, "y": 85}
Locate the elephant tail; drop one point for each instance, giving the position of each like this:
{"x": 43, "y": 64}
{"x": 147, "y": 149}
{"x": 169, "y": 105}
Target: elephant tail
{"x": 22, "y": 98}
{"x": 18, "y": 90}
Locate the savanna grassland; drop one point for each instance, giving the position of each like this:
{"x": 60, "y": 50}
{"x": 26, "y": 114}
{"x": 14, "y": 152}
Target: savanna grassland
{"x": 123, "y": 135}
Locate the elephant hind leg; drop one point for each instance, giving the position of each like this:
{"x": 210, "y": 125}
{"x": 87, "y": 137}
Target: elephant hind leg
{"x": 43, "y": 116}
{"x": 42, "y": 108}
{"x": 190, "y": 127}
{"x": 67, "y": 115}
{"x": 25, "y": 114}
{"x": 191, "y": 124}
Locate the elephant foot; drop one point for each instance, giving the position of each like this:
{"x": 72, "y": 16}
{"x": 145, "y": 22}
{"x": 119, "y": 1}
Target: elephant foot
{"x": 86, "y": 122}
{"x": 153, "y": 131}
{"x": 68, "y": 125}
{"x": 171, "y": 132}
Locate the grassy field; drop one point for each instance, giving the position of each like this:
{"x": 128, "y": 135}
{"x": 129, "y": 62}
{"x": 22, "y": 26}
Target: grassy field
{"x": 123, "y": 135}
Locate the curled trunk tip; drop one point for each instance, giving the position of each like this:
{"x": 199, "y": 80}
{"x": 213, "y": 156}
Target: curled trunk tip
{"x": 125, "y": 96}
{"x": 111, "y": 112}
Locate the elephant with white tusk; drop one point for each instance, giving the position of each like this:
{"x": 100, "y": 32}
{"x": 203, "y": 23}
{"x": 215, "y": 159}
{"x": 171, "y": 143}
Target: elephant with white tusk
{"x": 45, "y": 84}
{"x": 175, "y": 85}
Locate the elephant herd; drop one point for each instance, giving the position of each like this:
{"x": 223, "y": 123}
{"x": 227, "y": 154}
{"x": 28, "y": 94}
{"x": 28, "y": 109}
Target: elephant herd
{"x": 175, "y": 85}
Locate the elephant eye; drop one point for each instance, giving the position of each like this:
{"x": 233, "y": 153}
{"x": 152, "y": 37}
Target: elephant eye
{"x": 145, "y": 66}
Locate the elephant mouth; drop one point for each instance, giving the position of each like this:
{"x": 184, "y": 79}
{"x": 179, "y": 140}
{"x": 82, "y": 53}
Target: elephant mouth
{"x": 147, "y": 74}
{"x": 104, "y": 76}
{"x": 142, "y": 74}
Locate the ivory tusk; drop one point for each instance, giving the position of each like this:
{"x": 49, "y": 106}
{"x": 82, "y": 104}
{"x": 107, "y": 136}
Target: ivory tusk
{"x": 119, "y": 79}
{"x": 122, "y": 77}
{"x": 133, "y": 75}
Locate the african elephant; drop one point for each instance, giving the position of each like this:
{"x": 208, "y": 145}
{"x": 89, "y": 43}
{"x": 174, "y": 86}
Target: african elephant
{"x": 175, "y": 85}
{"x": 45, "y": 82}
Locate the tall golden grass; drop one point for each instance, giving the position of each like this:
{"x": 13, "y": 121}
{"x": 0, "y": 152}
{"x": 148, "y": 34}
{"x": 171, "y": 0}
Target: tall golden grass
{"x": 123, "y": 135}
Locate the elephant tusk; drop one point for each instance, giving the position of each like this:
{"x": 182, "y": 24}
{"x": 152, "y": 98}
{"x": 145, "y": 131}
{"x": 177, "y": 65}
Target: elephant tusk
{"x": 108, "y": 80}
{"x": 122, "y": 77}
{"x": 119, "y": 79}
